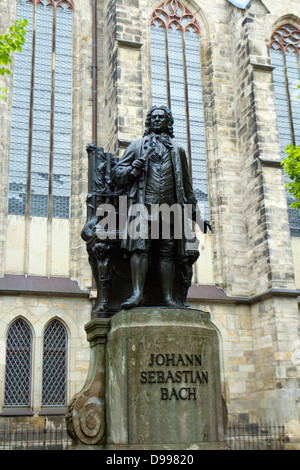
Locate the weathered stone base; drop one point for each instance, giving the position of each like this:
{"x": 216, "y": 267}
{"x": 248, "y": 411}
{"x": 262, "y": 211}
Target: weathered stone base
{"x": 161, "y": 381}
{"x": 165, "y": 447}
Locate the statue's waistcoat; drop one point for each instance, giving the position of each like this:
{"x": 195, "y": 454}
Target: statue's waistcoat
{"x": 160, "y": 185}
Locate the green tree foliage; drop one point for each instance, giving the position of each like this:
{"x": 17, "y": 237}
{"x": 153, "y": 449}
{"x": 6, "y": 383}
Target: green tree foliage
{"x": 10, "y": 42}
{"x": 291, "y": 166}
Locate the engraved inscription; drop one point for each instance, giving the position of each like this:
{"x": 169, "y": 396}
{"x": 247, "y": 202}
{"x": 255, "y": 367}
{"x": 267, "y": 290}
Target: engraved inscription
{"x": 175, "y": 359}
{"x": 184, "y": 369}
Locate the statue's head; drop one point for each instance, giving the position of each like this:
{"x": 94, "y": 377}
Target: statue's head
{"x": 156, "y": 111}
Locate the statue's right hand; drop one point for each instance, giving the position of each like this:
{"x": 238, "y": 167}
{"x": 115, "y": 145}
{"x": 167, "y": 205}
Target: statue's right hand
{"x": 139, "y": 163}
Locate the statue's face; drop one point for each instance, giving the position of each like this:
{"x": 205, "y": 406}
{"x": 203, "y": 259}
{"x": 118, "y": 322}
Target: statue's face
{"x": 158, "y": 121}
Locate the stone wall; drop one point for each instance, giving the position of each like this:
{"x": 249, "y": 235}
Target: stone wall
{"x": 249, "y": 254}
{"x": 259, "y": 358}
{"x": 38, "y": 311}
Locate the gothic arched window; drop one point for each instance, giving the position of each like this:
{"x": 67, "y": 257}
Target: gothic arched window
{"x": 285, "y": 57}
{"x": 17, "y": 382}
{"x": 176, "y": 83}
{"x": 40, "y": 148}
{"x": 54, "y": 378}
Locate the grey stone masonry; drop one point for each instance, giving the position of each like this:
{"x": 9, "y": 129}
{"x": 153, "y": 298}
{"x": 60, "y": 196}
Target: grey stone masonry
{"x": 123, "y": 79}
{"x": 263, "y": 202}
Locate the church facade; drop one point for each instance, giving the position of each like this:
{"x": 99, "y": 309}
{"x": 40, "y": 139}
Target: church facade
{"x": 88, "y": 73}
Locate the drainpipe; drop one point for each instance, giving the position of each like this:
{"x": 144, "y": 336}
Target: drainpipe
{"x": 94, "y": 71}
{"x": 94, "y": 84}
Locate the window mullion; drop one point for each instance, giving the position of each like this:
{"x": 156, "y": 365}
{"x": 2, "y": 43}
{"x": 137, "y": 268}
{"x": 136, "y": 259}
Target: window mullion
{"x": 167, "y": 69}
{"x": 30, "y": 132}
{"x": 288, "y": 99}
{"x": 30, "y": 141}
{"x": 188, "y": 134}
{"x": 51, "y": 150}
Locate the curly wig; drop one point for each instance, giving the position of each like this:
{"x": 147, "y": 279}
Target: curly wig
{"x": 170, "y": 120}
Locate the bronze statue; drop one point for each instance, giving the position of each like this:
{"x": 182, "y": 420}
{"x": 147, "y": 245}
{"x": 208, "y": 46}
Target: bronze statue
{"x": 156, "y": 168}
{"x": 152, "y": 172}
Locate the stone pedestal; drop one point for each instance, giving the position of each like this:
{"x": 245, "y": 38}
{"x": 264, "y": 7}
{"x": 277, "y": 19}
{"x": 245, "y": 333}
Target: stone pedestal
{"x": 162, "y": 382}
{"x": 85, "y": 417}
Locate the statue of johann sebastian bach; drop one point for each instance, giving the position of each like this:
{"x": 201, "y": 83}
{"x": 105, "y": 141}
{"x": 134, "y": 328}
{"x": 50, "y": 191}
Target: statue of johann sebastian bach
{"x": 156, "y": 171}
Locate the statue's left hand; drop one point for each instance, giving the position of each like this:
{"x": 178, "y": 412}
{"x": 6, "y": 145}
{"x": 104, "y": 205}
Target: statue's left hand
{"x": 207, "y": 226}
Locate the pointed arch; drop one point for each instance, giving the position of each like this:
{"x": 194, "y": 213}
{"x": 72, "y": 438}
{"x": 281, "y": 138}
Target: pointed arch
{"x": 177, "y": 83}
{"x": 285, "y": 57}
{"x": 40, "y": 145}
{"x": 54, "y": 3}
{"x": 286, "y": 38}
{"x": 59, "y": 3}
{"x": 173, "y": 12}
{"x": 18, "y": 364}
{"x": 54, "y": 369}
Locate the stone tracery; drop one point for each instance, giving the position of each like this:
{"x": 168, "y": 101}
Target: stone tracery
{"x": 55, "y": 3}
{"x": 172, "y": 13}
{"x": 286, "y": 38}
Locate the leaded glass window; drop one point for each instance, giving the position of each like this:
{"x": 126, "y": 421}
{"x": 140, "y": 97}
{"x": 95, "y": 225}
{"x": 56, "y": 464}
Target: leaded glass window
{"x": 40, "y": 149}
{"x": 54, "y": 381}
{"x": 177, "y": 83}
{"x": 285, "y": 57}
{"x": 17, "y": 382}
